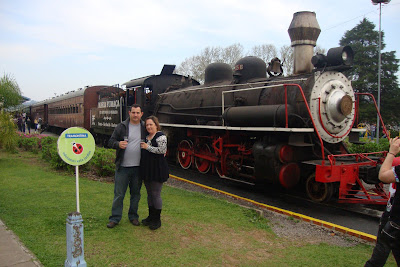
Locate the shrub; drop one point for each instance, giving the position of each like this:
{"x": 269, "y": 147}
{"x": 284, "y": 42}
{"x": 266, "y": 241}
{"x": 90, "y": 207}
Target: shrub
{"x": 55, "y": 160}
{"x": 8, "y": 133}
{"x": 369, "y": 146}
{"x": 394, "y": 133}
{"x": 30, "y": 144}
{"x": 46, "y": 143}
{"x": 102, "y": 163}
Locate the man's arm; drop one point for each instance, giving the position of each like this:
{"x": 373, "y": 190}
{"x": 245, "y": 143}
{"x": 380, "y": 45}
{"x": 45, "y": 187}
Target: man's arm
{"x": 115, "y": 137}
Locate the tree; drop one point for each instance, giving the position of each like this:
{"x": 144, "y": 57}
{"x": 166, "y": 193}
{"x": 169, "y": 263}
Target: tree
{"x": 10, "y": 94}
{"x": 8, "y": 132}
{"x": 364, "y": 40}
{"x": 266, "y": 52}
{"x": 195, "y": 65}
{"x": 287, "y": 59}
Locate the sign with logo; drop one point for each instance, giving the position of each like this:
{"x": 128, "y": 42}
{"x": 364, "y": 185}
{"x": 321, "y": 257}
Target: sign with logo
{"x": 76, "y": 146}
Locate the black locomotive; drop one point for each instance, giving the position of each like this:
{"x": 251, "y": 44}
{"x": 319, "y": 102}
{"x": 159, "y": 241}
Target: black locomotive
{"x": 284, "y": 130}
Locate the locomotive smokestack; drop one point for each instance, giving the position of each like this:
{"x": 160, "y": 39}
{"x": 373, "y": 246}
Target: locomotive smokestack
{"x": 303, "y": 31}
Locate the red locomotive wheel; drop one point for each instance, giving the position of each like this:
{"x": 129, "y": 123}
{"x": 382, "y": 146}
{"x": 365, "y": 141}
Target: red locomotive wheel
{"x": 185, "y": 153}
{"x": 202, "y": 165}
{"x": 318, "y": 192}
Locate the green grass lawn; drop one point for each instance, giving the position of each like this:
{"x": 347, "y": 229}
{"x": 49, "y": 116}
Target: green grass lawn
{"x": 197, "y": 230}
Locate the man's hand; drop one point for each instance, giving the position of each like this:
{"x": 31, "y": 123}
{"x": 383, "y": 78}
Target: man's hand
{"x": 123, "y": 144}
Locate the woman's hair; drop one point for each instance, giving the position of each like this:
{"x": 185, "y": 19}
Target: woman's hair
{"x": 155, "y": 120}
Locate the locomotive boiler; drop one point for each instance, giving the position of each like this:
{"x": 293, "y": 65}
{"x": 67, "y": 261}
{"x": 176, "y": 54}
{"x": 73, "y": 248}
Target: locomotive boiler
{"x": 260, "y": 129}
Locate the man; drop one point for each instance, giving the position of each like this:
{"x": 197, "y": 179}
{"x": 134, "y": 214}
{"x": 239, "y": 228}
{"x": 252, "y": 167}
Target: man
{"x": 388, "y": 238}
{"x": 126, "y": 140}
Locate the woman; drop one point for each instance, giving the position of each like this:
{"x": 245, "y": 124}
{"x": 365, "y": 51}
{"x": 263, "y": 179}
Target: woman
{"x": 154, "y": 170}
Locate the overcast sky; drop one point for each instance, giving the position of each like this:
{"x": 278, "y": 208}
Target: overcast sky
{"x": 52, "y": 47}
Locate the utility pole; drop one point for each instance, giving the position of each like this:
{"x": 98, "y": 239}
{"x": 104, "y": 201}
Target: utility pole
{"x": 380, "y": 2}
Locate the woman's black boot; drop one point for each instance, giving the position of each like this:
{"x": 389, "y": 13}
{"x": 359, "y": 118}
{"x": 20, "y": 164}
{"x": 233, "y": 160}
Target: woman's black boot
{"x": 147, "y": 221}
{"x": 156, "y": 222}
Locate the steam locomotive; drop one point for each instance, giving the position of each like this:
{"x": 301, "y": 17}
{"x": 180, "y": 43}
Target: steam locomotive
{"x": 260, "y": 130}
{"x": 247, "y": 126}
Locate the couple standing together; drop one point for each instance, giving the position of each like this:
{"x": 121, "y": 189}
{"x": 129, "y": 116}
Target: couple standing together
{"x": 140, "y": 149}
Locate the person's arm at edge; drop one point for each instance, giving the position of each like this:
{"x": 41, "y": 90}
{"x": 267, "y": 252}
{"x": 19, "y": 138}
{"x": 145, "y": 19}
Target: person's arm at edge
{"x": 386, "y": 173}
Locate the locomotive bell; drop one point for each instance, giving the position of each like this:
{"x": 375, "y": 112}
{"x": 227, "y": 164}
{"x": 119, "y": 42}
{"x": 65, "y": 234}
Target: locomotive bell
{"x": 275, "y": 67}
{"x": 303, "y": 31}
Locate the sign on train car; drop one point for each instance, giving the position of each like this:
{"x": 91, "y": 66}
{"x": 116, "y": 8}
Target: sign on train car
{"x": 106, "y": 116}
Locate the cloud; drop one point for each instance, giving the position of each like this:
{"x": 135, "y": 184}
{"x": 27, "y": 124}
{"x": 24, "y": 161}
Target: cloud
{"x": 94, "y": 58}
{"x": 92, "y": 25}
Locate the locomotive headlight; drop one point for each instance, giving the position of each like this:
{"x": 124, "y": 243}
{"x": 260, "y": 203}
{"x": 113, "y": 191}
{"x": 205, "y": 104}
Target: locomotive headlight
{"x": 344, "y": 56}
{"x": 340, "y": 56}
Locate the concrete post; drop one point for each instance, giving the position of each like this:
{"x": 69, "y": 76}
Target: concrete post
{"x": 75, "y": 255}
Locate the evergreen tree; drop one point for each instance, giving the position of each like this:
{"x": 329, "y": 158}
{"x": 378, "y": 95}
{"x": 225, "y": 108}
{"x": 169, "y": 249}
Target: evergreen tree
{"x": 364, "y": 40}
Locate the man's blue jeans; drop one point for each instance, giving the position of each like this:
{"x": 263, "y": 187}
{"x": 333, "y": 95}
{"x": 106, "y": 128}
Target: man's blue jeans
{"x": 124, "y": 177}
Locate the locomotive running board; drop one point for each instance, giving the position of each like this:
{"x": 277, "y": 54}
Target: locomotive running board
{"x": 254, "y": 129}
{"x": 236, "y": 180}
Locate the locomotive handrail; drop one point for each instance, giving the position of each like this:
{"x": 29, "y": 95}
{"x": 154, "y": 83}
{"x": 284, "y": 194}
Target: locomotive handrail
{"x": 233, "y": 85}
{"x": 233, "y": 128}
{"x": 254, "y": 88}
{"x": 286, "y": 111}
{"x": 377, "y": 110}
{"x": 309, "y": 113}
{"x": 358, "y": 157}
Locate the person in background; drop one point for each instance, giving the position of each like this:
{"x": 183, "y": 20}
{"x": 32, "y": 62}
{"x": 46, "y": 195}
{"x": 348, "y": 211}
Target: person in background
{"x": 126, "y": 140}
{"x": 28, "y": 123}
{"x": 35, "y": 124}
{"x": 373, "y": 131}
{"x": 23, "y": 123}
{"x": 388, "y": 238}
{"x": 20, "y": 121}
{"x": 39, "y": 125}
{"x": 154, "y": 170}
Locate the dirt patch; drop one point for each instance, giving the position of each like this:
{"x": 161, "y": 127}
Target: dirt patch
{"x": 254, "y": 245}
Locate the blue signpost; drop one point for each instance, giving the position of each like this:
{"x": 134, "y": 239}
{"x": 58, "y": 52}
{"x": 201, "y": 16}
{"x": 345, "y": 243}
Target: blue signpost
{"x": 75, "y": 146}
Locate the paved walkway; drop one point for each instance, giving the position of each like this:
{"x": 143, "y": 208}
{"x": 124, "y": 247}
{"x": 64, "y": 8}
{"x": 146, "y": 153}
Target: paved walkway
{"x": 13, "y": 252}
